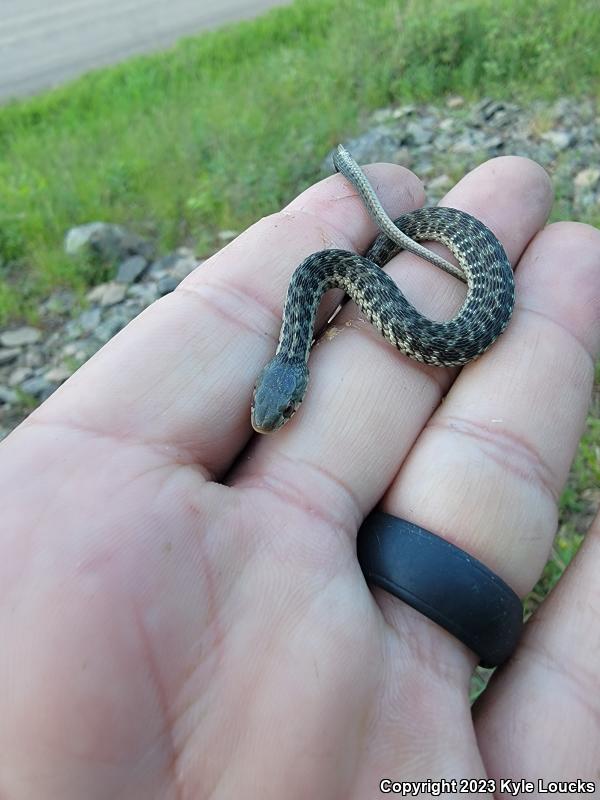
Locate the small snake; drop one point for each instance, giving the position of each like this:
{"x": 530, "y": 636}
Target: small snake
{"x": 483, "y": 265}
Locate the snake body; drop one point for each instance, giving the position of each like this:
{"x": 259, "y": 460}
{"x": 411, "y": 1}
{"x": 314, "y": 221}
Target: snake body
{"x": 485, "y": 313}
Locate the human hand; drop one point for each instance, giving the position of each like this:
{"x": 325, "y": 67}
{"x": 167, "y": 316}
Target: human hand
{"x": 183, "y": 615}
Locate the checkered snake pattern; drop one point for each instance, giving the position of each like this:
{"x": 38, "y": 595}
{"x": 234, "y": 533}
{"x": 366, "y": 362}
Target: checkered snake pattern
{"x": 485, "y": 313}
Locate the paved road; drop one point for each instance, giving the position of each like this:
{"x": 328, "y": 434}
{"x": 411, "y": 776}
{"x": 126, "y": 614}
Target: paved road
{"x": 45, "y": 42}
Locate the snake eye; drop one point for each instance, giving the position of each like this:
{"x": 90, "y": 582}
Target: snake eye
{"x": 288, "y": 411}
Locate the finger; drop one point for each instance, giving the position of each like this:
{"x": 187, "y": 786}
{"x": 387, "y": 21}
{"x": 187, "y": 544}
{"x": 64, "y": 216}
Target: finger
{"x": 485, "y": 474}
{"x": 366, "y": 403}
{"x": 181, "y": 374}
{"x": 506, "y": 434}
{"x": 552, "y": 684}
{"x": 487, "y": 471}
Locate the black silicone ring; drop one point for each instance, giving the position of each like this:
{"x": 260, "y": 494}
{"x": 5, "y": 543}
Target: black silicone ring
{"x": 442, "y": 582}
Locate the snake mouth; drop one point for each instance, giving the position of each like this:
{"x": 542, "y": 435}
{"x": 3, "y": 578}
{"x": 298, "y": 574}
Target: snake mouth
{"x": 270, "y": 427}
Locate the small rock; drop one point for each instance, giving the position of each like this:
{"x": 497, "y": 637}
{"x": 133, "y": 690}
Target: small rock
{"x": 107, "y": 242}
{"x": 502, "y": 117}
{"x": 37, "y": 386}
{"x": 7, "y": 396}
{"x": 18, "y": 375}
{"x": 20, "y": 336}
{"x": 494, "y": 143}
{"x": 90, "y": 319}
{"x": 131, "y": 269}
{"x": 417, "y": 134}
{"x": 403, "y": 156}
{"x": 72, "y": 330}
{"x": 440, "y": 184}
{"x": 184, "y": 266}
{"x": 107, "y": 294}
{"x": 59, "y": 302}
{"x": 34, "y": 357}
{"x": 447, "y": 124}
{"x": 226, "y": 235}
{"x": 70, "y": 349}
{"x": 162, "y": 265}
{"x": 132, "y": 307}
{"x": 559, "y": 139}
{"x": 8, "y": 355}
{"x": 382, "y": 115}
{"x": 455, "y": 101}
{"x": 403, "y": 111}
{"x": 491, "y": 108}
{"x": 58, "y": 374}
{"x": 167, "y": 284}
{"x": 464, "y": 144}
{"x": 586, "y": 180}
{"x": 79, "y": 351}
{"x": 109, "y": 328}
{"x": 145, "y": 292}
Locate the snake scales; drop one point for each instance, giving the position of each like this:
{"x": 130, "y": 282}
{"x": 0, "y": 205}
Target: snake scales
{"x": 485, "y": 313}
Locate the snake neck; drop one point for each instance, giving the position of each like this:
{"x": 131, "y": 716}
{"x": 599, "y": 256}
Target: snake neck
{"x": 307, "y": 286}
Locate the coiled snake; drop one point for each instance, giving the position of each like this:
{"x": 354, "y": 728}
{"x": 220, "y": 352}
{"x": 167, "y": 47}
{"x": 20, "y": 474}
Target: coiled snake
{"x": 485, "y": 313}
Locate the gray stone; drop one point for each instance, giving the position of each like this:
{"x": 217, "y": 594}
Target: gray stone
{"x": 58, "y": 374}
{"x": 559, "y": 139}
{"x": 59, "y": 302}
{"x": 8, "y": 355}
{"x": 587, "y": 179}
{"x": 34, "y": 357}
{"x": 184, "y": 266}
{"x": 109, "y": 328}
{"x": 440, "y": 184}
{"x": 418, "y": 134}
{"x": 19, "y": 337}
{"x": 78, "y": 352}
{"x": 105, "y": 241}
{"x": 146, "y": 292}
{"x": 447, "y": 125}
{"x": 456, "y": 101}
{"x": 18, "y": 375}
{"x": 404, "y": 111}
{"x": 72, "y": 329}
{"x": 494, "y": 143}
{"x": 404, "y": 156}
{"x": 90, "y": 319}
{"x": 227, "y": 235}
{"x": 107, "y": 294}
{"x": 167, "y": 284}
{"x": 464, "y": 144}
{"x": 37, "y": 386}
{"x": 131, "y": 308}
{"x": 131, "y": 269}
{"x": 162, "y": 265}
{"x": 7, "y": 396}
{"x": 382, "y": 115}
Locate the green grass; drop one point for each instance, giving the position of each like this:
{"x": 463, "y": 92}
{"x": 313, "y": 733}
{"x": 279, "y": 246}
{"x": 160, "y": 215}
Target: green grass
{"x": 227, "y": 126}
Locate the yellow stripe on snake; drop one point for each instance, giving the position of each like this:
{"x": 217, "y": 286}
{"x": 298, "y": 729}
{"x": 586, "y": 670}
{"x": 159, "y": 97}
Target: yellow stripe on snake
{"x": 485, "y": 313}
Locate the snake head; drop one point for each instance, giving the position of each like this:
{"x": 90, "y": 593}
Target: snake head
{"x": 279, "y": 391}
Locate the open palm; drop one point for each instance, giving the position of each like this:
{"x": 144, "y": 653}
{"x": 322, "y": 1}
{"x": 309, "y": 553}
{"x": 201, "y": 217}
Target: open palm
{"x": 182, "y": 613}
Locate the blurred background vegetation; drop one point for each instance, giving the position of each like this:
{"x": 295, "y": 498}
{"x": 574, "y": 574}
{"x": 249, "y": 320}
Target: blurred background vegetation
{"x": 227, "y": 126}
